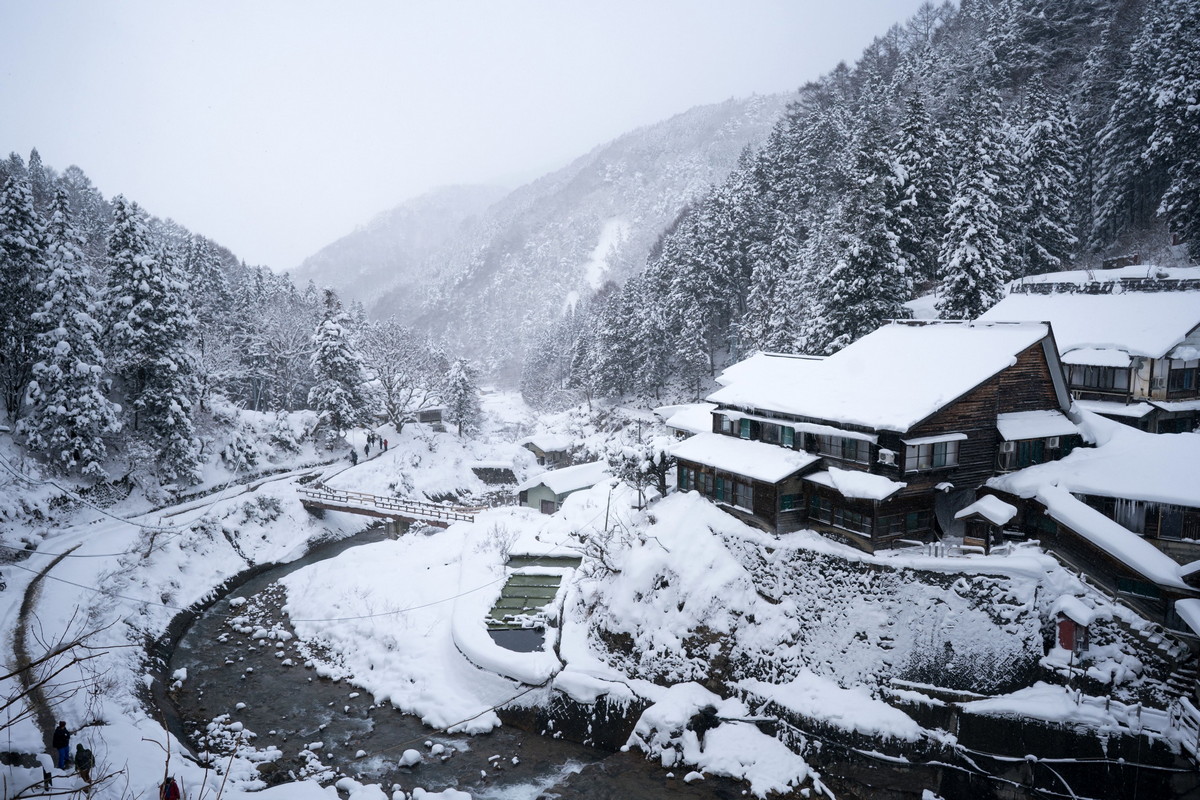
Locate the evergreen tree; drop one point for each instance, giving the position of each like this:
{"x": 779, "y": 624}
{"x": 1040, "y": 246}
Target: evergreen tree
{"x": 974, "y": 250}
{"x": 869, "y": 282}
{"x": 149, "y": 327}
{"x": 462, "y": 397}
{"x": 22, "y": 270}
{"x": 70, "y": 414}
{"x": 1176, "y": 134}
{"x": 1049, "y": 167}
{"x": 920, "y": 154}
{"x": 339, "y": 396}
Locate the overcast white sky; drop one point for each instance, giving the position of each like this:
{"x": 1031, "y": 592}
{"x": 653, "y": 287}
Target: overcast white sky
{"x": 277, "y": 126}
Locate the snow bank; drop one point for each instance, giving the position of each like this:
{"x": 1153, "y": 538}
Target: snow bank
{"x": 850, "y": 709}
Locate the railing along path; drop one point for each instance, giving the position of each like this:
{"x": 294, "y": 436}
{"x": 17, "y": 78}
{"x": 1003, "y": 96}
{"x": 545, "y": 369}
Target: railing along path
{"x": 351, "y": 501}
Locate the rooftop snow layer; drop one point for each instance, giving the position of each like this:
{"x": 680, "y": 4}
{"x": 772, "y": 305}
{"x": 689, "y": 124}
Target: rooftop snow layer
{"x": 1131, "y": 464}
{"x": 1081, "y": 277}
{"x": 1118, "y": 541}
{"x": 991, "y": 508}
{"x": 1020, "y": 425}
{"x": 854, "y": 483}
{"x": 1096, "y": 357}
{"x": 890, "y": 379}
{"x": 1189, "y": 611}
{"x": 693, "y": 418}
{"x": 1138, "y": 323}
{"x": 757, "y": 460}
{"x": 1135, "y": 410}
{"x": 763, "y": 366}
{"x": 569, "y": 479}
{"x": 549, "y": 442}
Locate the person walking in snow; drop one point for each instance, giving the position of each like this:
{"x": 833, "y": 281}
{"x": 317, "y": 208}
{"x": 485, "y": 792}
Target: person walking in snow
{"x": 353, "y": 457}
{"x": 62, "y": 743}
{"x": 385, "y": 445}
{"x": 367, "y": 449}
{"x": 169, "y": 790}
{"x": 84, "y": 762}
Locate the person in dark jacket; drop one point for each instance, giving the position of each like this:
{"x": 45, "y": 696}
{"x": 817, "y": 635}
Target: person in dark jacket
{"x": 62, "y": 743}
{"x": 169, "y": 790}
{"x": 84, "y": 762}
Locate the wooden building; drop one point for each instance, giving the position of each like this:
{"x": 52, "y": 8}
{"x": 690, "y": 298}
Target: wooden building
{"x": 886, "y": 439}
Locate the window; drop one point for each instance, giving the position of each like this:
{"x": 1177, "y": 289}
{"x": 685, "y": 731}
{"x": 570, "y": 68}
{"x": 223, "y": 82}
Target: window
{"x": 1182, "y": 377}
{"x": 722, "y": 485}
{"x": 708, "y": 484}
{"x": 770, "y": 433}
{"x": 685, "y": 479}
{"x": 743, "y": 495}
{"x": 913, "y": 522}
{"x": 1138, "y": 587}
{"x": 844, "y": 448}
{"x": 725, "y": 424}
{"x": 789, "y": 502}
{"x": 936, "y": 455}
{"x": 745, "y": 429}
{"x": 1106, "y": 378}
{"x": 788, "y": 438}
{"x": 820, "y": 509}
{"x": 549, "y": 506}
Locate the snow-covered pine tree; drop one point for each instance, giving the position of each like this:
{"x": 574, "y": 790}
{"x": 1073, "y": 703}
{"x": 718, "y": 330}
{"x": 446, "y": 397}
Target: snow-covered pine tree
{"x": 462, "y": 397}
{"x": 1049, "y": 164}
{"x": 1176, "y": 134}
{"x": 974, "y": 251}
{"x": 22, "y": 270}
{"x": 69, "y": 414}
{"x": 869, "y": 282}
{"x": 149, "y": 327}
{"x": 920, "y": 164}
{"x": 340, "y": 395}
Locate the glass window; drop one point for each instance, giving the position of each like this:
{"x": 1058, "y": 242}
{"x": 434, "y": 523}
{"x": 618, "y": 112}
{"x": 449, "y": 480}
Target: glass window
{"x": 744, "y": 496}
{"x": 1089, "y": 377}
{"x": 936, "y": 455}
{"x": 720, "y": 494}
{"x": 685, "y": 479}
{"x": 726, "y": 424}
{"x": 745, "y": 430}
{"x": 788, "y": 502}
{"x": 1181, "y": 378}
{"x": 844, "y": 448}
{"x": 770, "y": 433}
{"x": 788, "y": 437}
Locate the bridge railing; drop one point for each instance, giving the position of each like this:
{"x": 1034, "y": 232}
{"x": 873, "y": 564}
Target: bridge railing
{"x": 415, "y": 508}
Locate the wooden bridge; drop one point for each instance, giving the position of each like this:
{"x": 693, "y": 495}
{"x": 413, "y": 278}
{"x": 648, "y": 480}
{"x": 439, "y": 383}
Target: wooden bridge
{"x": 373, "y": 505}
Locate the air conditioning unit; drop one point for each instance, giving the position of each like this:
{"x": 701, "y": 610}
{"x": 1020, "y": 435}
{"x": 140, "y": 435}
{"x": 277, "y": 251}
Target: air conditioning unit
{"x": 887, "y": 457}
{"x": 1008, "y": 447}
{"x": 1052, "y": 443}
{"x": 1158, "y": 383}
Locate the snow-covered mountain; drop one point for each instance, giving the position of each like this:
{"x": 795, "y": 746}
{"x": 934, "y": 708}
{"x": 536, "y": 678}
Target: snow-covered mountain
{"x": 397, "y": 246}
{"x": 497, "y": 277}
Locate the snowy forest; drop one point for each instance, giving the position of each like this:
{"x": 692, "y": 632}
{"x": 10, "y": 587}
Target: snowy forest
{"x": 129, "y": 343}
{"x": 968, "y": 147}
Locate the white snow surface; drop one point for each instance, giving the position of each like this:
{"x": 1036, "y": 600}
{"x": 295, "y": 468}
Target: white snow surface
{"x": 1136, "y": 323}
{"x": 923, "y": 366}
{"x": 758, "y": 460}
{"x": 692, "y": 417}
{"x": 1126, "y": 463}
{"x": 1116, "y": 409}
{"x": 856, "y": 483}
{"x": 569, "y": 479}
{"x": 597, "y": 268}
{"x": 852, "y": 709}
{"x": 1189, "y": 611}
{"x": 1018, "y": 425}
{"x": 991, "y": 508}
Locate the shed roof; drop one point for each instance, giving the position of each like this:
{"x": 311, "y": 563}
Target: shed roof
{"x": 549, "y": 442}
{"x": 569, "y": 479}
{"x": 693, "y": 418}
{"x": 757, "y": 460}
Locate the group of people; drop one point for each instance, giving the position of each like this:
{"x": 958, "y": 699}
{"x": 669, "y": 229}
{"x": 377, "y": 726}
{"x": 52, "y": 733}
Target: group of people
{"x": 84, "y": 761}
{"x": 373, "y": 439}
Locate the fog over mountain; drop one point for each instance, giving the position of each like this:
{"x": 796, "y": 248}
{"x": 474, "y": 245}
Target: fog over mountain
{"x": 465, "y": 273}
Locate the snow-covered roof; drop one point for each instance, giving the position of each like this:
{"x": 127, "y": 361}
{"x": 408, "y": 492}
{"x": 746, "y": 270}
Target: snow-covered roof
{"x": 1128, "y": 463}
{"x": 1081, "y": 277}
{"x": 1074, "y": 609}
{"x": 1096, "y": 357}
{"x": 1136, "y": 323}
{"x": 890, "y": 379}
{"x": 693, "y": 418}
{"x": 991, "y": 508}
{"x": 1020, "y": 425}
{"x": 1119, "y": 542}
{"x": 1115, "y": 409}
{"x": 764, "y": 366}
{"x": 1177, "y": 405}
{"x": 569, "y": 479}
{"x": 757, "y": 460}
{"x": 1189, "y": 611}
{"x": 857, "y": 484}
{"x": 549, "y": 442}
